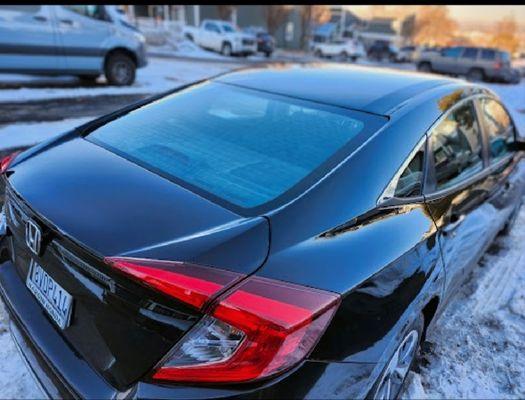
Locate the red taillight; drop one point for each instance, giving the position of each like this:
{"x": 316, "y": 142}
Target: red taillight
{"x": 258, "y": 329}
{"x": 192, "y": 284}
{"x": 6, "y": 162}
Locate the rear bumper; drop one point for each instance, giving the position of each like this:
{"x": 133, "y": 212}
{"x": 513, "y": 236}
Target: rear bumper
{"x": 63, "y": 374}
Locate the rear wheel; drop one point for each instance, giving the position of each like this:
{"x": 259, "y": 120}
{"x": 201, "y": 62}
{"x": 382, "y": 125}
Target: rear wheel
{"x": 343, "y": 56}
{"x": 394, "y": 375}
{"x": 120, "y": 69}
{"x": 318, "y": 53}
{"x": 475, "y": 75}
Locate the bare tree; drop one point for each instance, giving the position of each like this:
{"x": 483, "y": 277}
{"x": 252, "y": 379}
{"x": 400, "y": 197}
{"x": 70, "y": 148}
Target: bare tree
{"x": 505, "y": 35}
{"x": 434, "y": 26}
{"x": 275, "y": 16}
{"x": 310, "y": 16}
{"x": 225, "y": 12}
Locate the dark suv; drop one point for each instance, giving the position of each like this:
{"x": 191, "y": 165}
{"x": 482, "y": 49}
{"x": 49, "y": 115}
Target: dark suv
{"x": 476, "y": 63}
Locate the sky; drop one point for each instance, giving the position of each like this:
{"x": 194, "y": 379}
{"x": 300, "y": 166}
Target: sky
{"x": 472, "y": 14}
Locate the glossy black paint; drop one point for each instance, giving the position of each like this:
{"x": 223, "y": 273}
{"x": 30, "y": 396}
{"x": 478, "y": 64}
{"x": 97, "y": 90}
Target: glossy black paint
{"x": 388, "y": 260}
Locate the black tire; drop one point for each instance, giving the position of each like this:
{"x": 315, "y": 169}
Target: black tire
{"x": 318, "y": 53}
{"x": 88, "y": 79}
{"x": 226, "y": 49}
{"x": 416, "y": 326}
{"x": 268, "y": 54}
{"x": 353, "y": 58}
{"x": 189, "y": 36}
{"x": 343, "y": 56}
{"x": 120, "y": 69}
{"x": 475, "y": 75}
{"x": 424, "y": 67}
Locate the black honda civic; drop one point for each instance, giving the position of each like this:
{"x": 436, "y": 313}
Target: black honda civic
{"x": 288, "y": 231}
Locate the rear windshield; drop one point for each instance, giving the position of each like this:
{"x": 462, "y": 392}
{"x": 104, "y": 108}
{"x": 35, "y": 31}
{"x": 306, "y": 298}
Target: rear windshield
{"x": 242, "y": 148}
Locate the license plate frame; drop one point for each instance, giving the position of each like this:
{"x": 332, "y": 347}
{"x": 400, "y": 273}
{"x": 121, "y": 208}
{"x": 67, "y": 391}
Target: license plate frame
{"x": 53, "y": 298}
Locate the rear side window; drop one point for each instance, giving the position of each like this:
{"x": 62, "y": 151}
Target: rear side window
{"x": 488, "y": 54}
{"x": 238, "y": 146}
{"x": 411, "y": 180}
{"x": 456, "y": 146}
{"x": 470, "y": 53}
{"x": 499, "y": 128}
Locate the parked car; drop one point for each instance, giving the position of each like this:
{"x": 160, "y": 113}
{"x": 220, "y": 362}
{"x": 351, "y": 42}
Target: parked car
{"x": 223, "y": 37}
{"x": 344, "y": 50}
{"x": 406, "y": 54}
{"x": 80, "y": 40}
{"x": 265, "y": 41}
{"x": 476, "y": 63}
{"x": 156, "y": 253}
{"x": 382, "y": 50}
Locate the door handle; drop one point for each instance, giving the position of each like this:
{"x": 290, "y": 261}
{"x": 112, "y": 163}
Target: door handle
{"x": 455, "y": 221}
{"x": 66, "y": 21}
{"x": 39, "y": 18}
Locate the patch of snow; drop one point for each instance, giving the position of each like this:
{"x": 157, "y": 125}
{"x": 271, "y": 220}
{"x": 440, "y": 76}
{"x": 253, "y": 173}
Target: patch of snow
{"x": 477, "y": 348}
{"x": 18, "y": 135}
{"x": 16, "y": 381}
{"x": 158, "y": 76}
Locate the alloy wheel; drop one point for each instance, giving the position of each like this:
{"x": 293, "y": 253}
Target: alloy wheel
{"x": 398, "y": 367}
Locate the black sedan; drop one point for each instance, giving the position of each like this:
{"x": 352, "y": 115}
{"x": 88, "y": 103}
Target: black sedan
{"x": 282, "y": 231}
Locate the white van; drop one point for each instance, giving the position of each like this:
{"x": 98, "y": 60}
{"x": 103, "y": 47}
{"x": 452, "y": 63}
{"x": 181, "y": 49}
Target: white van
{"x": 80, "y": 40}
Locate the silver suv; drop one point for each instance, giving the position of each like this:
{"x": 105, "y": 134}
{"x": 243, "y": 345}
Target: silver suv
{"x": 476, "y": 63}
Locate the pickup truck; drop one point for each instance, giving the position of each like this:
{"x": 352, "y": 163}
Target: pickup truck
{"x": 223, "y": 37}
{"x": 342, "y": 49}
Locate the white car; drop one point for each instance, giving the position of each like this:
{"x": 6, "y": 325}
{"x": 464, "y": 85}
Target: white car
{"x": 344, "y": 50}
{"x": 223, "y": 37}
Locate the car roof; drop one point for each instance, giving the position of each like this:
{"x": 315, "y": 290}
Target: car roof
{"x": 374, "y": 90}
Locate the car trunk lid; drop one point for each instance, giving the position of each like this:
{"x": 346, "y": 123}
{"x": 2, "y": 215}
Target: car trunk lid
{"x": 120, "y": 327}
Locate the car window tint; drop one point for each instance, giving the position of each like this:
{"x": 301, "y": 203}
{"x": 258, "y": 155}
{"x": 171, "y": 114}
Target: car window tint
{"x": 470, "y": 53}
{"x": 488, "y": 54}
{"x": 456, "y": 146}
{"x": 410, "y": 181}
{"x": 242, "y": 146}
{"x": 499, "y": 128}
{"x": 88, "y": 11}
{"x": 452, "y": 52}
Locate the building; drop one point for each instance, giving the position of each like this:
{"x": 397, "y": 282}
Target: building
{"x": 287, "y": 35}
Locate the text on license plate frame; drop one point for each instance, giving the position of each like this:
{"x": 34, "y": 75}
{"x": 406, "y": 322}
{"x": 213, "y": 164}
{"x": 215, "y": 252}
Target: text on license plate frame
{"x": 57, "y": 302}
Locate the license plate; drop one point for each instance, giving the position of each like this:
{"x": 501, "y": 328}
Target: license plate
{"x": 55, "y": 300}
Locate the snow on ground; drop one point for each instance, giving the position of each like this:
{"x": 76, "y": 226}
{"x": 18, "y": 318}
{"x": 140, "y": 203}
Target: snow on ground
{"x": 20, "y": 135}
{"x": 158, "y": 76}
{"x": 478, "y": 347}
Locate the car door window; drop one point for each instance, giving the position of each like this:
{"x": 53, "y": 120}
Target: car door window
{"x": 211, "y": 27}
{"x": 470, "y": 53}
{"x": 411, "y": 179}
{"x": 452, "y": 52}
{"x": 94, "y": 11}
{"x": 456, "y": 146}
{"x": 499, "y": 127}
